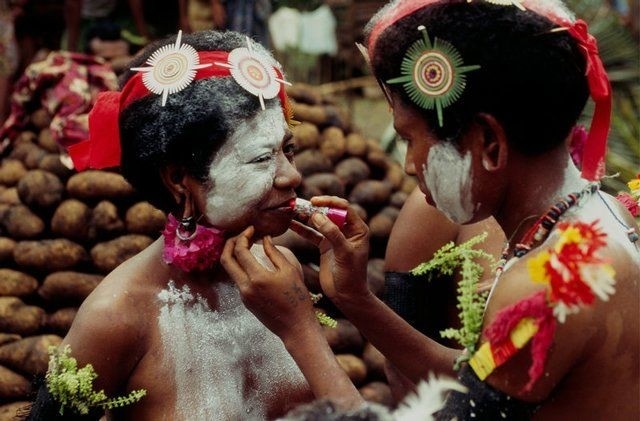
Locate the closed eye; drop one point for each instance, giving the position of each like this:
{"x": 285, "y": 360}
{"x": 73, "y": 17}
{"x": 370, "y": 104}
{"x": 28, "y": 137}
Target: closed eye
{"x": 262, "y": 158}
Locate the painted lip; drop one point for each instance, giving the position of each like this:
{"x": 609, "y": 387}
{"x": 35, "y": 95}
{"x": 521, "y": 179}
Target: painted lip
{"x": 283, "y": 206}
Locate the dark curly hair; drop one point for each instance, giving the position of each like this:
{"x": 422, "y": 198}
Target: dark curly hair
{"x": 192, "y": 125}
{"x": 531, "y": 80}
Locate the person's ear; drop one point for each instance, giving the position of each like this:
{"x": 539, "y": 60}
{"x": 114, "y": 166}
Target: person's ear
{"x": 174, "y": 178}
{"x": 495, "y": 151}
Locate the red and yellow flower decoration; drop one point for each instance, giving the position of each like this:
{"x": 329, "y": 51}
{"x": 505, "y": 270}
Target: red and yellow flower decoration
{"x": 574, "y": 274}
{"x": 631, "y": 200}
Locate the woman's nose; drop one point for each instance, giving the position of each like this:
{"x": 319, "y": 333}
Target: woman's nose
{"x": 287, "y": 176}
{"x": 409, "y": 165}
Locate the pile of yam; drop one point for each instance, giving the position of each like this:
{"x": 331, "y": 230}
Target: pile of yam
{"x": 62, "y": 231}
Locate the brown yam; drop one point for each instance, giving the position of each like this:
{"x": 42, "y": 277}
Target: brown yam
{"x": 312, "y": 161}
{"x": 370, "y": 193}
{"x": 356, "y": 145}
{"x": 17, "y": 317}
{"x": 29, "y": 355}
{"x": 326, "y": 184}
{"x": 20, "y": 223}
{"x": 7, "y": 338}
{"x": 374, "y": 360}
{"x": 109, "y": 255}
{"x": 352, "y": 171}
{"x": 98, "y": 185}
{"x": 13, "y": 385}
{"x": 10, "y": 196}
{"x": 306, "y": 136}
{"x": 375, "y": 276}
{"x": 7, "y": 245}
{"x": 362, "y": 213}
{"x": 14, "y": 411}
{"x": 144, "y": 218}
{"x": 33, "y": 157}
{"x": 68, "y": 287}
{"x": 409, "y": 184}
{"x": 354, "y": 367}
{"x": 41, "y": 118}
{"x": 374, "y": 146}
{"x": 333, "y": 143}
{"x": 398, "y": 198}
{"x": 22, "y": 149}
{"x": 379, "y": 159}
{"x": 395, "y": 175}
{"x": 16, "y": 284}
{"x": 381, "y": 224}
{"x": 105, "y": 221}
{"x": 49, "y": 255}
{"x": 60, "y": 321}
{"x": 40, "y": 189}
{"x": 377, "y": 392}
{"x": 52, "y": 163}
{"x": 302, "y": 92}
{"x": 344, "y": 337}
{"x": 25, "y": 137}
{"x": 11, "y": 171}
{"x": 314, "y": 114}
{"x": 71, "y": 220}
{"x": 46, "y": 141}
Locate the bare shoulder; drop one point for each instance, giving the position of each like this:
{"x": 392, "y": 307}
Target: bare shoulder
{"x": 607, "y": 272}
{"x": 110, "y": 328}
{"x": 422, "y": 226}
{"x": 258, "y": 251}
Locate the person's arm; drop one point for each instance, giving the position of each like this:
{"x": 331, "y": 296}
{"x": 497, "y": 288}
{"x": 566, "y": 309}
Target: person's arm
{"x": 72, "y": 17}
{"x": 343, "y": 264}
{"x": 280, "y": 300}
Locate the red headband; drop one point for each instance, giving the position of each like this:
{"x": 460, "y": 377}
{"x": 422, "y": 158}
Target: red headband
{"x": 593, "y": 158}
{"x": 102, "y": 149}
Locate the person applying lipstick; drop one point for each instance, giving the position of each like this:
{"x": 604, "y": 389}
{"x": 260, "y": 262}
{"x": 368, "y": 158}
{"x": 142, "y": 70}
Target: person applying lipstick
{"x": 487, "y": 95}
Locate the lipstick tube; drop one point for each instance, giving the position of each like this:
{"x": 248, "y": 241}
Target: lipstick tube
{"x": 305, "y": 208}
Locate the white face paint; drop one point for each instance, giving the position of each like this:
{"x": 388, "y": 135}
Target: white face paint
{"x": 243, "y": 170}
{"x": 447, "y": 175}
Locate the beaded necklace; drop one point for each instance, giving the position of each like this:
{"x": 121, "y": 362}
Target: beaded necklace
{"x": 543, "y": 226}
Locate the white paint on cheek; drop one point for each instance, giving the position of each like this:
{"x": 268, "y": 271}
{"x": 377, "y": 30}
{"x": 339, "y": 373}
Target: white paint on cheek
{"x": 448, "y": 178}
{"x": 239, "y": 184}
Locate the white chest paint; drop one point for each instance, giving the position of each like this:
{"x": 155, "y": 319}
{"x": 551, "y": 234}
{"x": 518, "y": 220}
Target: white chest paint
{"x": 226, "y": 364}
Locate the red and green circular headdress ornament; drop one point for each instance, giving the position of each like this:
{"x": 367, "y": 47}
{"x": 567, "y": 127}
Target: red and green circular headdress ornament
{"x": 433, "y": 74}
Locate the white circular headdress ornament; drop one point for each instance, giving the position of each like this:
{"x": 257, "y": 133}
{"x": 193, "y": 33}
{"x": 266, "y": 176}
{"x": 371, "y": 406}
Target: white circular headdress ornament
{"x": 255, "y": 72}
{"x": 171, "y": 68}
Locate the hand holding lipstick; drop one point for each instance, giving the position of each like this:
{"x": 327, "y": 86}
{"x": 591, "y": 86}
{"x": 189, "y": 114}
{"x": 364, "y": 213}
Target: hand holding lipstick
{"x": 344, "y": 250}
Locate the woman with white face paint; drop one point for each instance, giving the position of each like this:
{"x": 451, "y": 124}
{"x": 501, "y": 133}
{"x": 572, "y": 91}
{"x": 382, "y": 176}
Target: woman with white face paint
{"x": 487, "y": 93}
{"x": 200, "y": 128}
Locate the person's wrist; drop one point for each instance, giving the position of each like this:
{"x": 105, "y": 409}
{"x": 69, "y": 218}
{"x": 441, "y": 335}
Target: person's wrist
{"x": 353, "y": 298}
{"x": 300, "y": 334}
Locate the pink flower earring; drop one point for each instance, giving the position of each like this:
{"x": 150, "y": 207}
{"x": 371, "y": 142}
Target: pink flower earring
{"x": 190, "y": 246}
